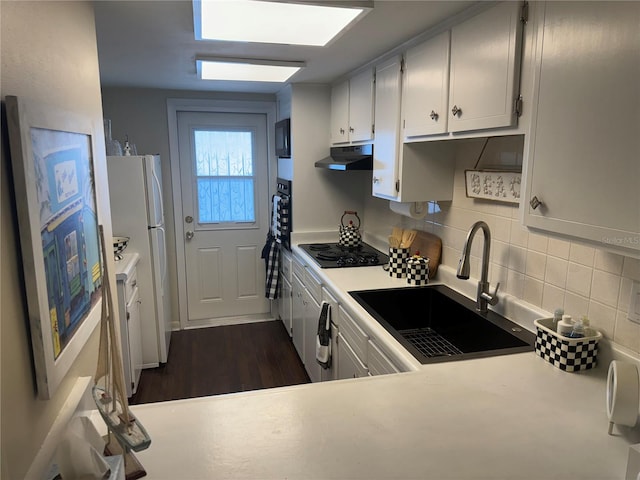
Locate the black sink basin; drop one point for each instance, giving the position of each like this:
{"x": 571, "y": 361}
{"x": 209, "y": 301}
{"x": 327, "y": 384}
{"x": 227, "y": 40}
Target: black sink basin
{"x": 437, "y": 324}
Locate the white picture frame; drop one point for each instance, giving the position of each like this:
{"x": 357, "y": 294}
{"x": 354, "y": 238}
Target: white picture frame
{"x": 52, "y": 155}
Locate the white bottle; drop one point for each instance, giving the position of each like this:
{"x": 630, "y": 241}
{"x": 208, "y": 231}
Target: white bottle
{"x": 565, "y": 325}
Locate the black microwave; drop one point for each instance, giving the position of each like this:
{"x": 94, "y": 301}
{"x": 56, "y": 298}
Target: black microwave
{"x": 283, "y": 138}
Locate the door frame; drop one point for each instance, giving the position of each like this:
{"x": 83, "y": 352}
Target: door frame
{"x": 175, "y": 105}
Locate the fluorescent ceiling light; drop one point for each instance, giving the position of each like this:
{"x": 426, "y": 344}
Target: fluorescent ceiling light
{"x": 270, "y": 22}
{"x": 246, "y": 70}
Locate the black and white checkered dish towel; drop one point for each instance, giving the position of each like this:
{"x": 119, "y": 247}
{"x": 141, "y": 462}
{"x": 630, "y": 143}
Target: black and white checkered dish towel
{"x": 323, "y": 339}
{"x": 282, "y": 222}
{"x": 271, "y": 255}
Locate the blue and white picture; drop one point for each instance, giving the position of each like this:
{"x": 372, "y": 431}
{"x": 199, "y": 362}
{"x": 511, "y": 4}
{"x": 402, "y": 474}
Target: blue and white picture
{"x": 68, "y": 228}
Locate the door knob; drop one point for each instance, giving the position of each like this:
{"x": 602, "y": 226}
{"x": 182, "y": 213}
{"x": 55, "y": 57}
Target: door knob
{"x": 189, "y": 235}
{"x": 188, "y": 219}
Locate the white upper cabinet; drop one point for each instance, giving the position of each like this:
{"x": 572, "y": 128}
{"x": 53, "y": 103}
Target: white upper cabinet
{"x": 485, "y": 67}
{"x": 387, "y": 121}
{"x": 425, "y": 94}
{"x": 405, "y": 172}
{"x": 352, "y": 109}
{"x": 583, "y": 155}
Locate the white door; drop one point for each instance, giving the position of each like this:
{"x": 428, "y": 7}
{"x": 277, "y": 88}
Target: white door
{"x": 224, "y": 184}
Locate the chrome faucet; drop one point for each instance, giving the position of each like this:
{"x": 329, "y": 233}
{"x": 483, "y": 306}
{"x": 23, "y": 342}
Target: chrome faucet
{"x": 484, "y": 297}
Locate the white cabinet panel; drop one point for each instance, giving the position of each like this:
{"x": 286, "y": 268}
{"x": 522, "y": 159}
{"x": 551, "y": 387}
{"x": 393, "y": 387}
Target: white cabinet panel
{"x": 352, "y": 109}
{"x": 485, "y": 67}
{"x": 285, "y": 304}
{"x": 582, "y": 160}
{"x": 298, "y": 313}
{"x": 350, "y": 365}
{"x": 378, "y": 362}
{"x": 387, "y": 121}
{"x": 312, "y": 314}
{"x": 425, "y": 93}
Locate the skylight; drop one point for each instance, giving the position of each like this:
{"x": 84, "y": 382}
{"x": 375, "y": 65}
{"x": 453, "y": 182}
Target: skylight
{"x": 246, "y": 70}
{"x": 270, "y": 22}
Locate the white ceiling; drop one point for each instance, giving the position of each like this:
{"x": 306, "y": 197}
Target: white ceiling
{"x": 150, "y": 44}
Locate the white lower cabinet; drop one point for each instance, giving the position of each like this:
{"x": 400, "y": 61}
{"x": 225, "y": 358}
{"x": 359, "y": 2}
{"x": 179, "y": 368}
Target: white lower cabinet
{"x": 331, "y": 373}
{"x": 130, "y": 325}
{"x": 285, "y": 304}
{"x": 312, "y": 313}
{"x": 350, "y": 366}
{"x": 298, "y": 314}
{"x": 378, "y": 362}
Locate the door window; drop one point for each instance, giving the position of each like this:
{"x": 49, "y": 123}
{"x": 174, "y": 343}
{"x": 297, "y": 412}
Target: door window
{"x": 226, "y": 186}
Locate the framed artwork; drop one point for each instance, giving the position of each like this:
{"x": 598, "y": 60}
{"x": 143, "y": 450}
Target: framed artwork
{"x": 52, "y": 160}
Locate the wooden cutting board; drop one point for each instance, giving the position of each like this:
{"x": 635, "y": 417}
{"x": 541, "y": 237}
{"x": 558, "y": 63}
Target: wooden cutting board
{"x": 429, "y": 246}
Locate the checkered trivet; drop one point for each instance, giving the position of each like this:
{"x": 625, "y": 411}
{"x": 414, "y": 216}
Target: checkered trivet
{"x": 398, "y": 262}
{"x": 568, "y": 355}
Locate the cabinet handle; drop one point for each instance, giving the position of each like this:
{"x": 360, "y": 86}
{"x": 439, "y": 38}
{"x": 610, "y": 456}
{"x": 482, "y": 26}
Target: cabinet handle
{"x": 342, "y": 131}
{"x": 134, "y": 283}
{"x": 456, "y": 111}
{"x": 434, "y": 116}
{"x": 376, "y": 180}
{"x": 535, "y": 203}
{"x": 351, "y": 129}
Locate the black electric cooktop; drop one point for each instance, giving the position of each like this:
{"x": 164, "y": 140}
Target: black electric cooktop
{"x": 332, "y": 255}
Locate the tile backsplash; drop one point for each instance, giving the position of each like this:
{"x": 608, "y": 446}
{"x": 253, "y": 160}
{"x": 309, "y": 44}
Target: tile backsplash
{"x": 544, "y": 271}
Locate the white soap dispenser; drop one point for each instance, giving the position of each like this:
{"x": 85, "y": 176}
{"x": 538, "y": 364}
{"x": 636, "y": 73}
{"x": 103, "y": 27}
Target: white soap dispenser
{"x": 565, "y": 326}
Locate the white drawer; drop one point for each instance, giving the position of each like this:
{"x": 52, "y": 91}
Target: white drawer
{"x": 314, "y": 285}
{"x": 285, "y": 265}
{"x": 298, "y": 268}
{"x": 356, "y": 337}
{"x": 378, "y": 362}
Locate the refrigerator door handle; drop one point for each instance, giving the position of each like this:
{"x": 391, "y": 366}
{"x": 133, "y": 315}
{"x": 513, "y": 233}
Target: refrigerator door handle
{"x": 156, "y": 180}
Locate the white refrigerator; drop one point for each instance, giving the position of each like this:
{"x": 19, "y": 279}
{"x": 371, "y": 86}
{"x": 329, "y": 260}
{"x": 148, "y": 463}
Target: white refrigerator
{"x": 135, "y": 188}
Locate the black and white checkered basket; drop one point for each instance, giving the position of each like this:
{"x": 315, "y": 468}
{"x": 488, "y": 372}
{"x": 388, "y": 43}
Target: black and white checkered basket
{"x": 398, "y": 262}
{"x": 568, "y": 354}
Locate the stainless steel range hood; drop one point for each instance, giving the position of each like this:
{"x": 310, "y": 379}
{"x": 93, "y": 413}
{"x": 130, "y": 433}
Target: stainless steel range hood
{"x": 359, "y": 157}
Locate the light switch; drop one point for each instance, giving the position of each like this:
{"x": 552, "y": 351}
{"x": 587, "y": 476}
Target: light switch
{"x": 634, "y": 303}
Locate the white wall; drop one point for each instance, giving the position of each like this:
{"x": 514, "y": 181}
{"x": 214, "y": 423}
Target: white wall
{"x": 48, "y": 55}
{"x": 543, "y": 270}
{"x": 320, "y": 196}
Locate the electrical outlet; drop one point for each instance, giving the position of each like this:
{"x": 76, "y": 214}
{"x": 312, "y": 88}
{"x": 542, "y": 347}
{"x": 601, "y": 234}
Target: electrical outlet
{"x": 634, "y": 303}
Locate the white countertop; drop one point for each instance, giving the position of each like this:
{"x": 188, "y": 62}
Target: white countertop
{"x": 506, "y": 417}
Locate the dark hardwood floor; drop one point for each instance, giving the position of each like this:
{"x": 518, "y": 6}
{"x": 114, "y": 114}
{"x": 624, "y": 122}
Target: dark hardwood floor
{"x": 216, "y": 360}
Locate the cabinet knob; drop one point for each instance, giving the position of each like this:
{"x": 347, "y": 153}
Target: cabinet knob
{"x": 535, "y": 203}
{"x": 456, "y": 111}
{"x": 342, "y": 131}
{"x": 351, "y": 129}
{"x": 376, "y": 180}
{"x": 434, "y": 116}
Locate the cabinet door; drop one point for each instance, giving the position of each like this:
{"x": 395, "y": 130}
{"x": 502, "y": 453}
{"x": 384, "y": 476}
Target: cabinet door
{"x": 583, "y": 157}
{"x": 387, "y": 122}
{"x": 312, "y": 314}
{"x": 332, "y": 372}
{"x": 361, "y": 107}
{"x": 135, "y": 339}
{"x": 485, "y": 68}
{"x": 285, "y": 304}
{"x": 340, "y": 113}
{"x": 350, "y": 365}
{"x": 425, "y": 93}
{"x": 378, "y": 362}
{"x": 297, "y": 319}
